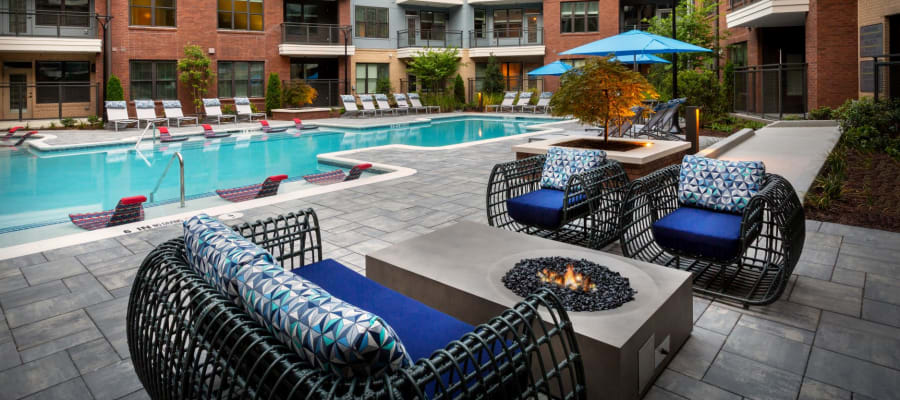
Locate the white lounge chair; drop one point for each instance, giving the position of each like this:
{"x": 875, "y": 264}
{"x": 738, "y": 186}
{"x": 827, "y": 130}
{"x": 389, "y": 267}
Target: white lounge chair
{"x": 383, "y": 104}
{"x": 242, "y": 105}
{"x": 508, "y": 99}
{"x": 369, "y": 105}
{"x": 146, "y": 112}
{"x": 524, "y": 100}
{"x": 400, "y": 98}
{"x": 417, "y": 103}
{"x": 542, "y": 104}
{"x": 172, "y": 108}
{"x": 213, "y": 109}
{"x": 350, "y": 107}
{"x": 117, "y": 114}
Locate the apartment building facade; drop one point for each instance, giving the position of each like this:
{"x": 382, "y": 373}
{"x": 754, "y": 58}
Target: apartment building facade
{"x": 879, "y": 43}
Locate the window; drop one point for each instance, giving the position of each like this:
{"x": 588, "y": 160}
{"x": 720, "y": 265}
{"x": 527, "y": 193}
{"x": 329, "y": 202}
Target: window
{"x": 155, "y": 80}
{"x": 479, "y": 22}
{"x": 314, "y": 68}
{"x": 432, "y": 24}
{"x": 311, "y": 11}
{"x": 371, "y": 22}
{"x": 737, "y": 54}
{"x": 69, "y": 79}
{"x": 241, "y": 78}
{"x": 63, "y": 12}
{"x": 153, "y": 12}
{"x": 575, "y": 62}
{"x": 579, "y": 16}
{"x": 367, "y": 75}
{"x": 246, "y": 15}
{"x": 508, "y": 23}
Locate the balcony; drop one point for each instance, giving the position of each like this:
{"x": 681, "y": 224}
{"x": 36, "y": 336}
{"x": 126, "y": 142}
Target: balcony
{"x": 766, "y": 13}
{"x": 304, "y": 39}
{"x": 48, "y": 32}
{"x": 506, "y": 42}
{"x": 431, "y": 3}
{"x": 411, "y": 41}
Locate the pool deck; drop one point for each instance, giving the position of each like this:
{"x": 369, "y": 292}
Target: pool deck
{"x": 835, "y": 334}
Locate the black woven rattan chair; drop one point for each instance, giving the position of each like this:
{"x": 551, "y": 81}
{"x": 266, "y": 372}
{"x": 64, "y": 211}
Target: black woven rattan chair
{"x": 187, "y": 341}
{"x": 772, "y": 232}
{"x": 591, "y": 207}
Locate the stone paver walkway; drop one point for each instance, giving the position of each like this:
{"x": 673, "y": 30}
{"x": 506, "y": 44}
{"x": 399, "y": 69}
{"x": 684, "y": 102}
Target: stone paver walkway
{"x": 834, "y": 335}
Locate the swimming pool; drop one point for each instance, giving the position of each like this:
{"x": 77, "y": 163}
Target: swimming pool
{"x": 44, "y": 187}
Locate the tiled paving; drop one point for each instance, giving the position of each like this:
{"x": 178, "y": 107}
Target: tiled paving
{"x": 834, "y": 335}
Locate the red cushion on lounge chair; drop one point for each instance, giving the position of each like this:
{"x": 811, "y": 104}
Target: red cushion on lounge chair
{"x": 363, "y": 166}
{"x": 264, "y": 122}
{"x": 206, "y": 127}
{"x": 163, "y": 129}
{"x": 133, "y": 200}
{"x": 14, "y": 129}
{"x": 32, "y": 132}
{"x": 278, "y": 178}
{"x": 297, "y": 121}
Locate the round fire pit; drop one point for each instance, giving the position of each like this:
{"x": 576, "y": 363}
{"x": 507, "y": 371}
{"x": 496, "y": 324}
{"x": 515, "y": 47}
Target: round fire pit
{"x": 580, "y": 284}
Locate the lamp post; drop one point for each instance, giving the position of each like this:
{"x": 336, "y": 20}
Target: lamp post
{"x": 674, "y": 55}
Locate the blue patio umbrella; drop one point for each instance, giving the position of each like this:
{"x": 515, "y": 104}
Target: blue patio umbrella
{"x": 634, "y": 43}
{"x": 555, "y": 68}
{"x": 640, "y": 59}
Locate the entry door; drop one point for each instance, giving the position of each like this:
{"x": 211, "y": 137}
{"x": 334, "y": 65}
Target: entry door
{"x": 533, "y": 28}
{"x": 412, "y": 24}
{"x": 16, "y": 21}
{"x": 17, "y": 96}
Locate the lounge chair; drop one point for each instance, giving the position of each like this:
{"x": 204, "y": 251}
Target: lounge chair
{"x": 301, "y": 126}
{"x": 146, "y": 112}
{"x": 213, "y": 108}
{"x": 369, "y": 105}
{"x": 268, "y": 129}
{"x": 626, "y": 126}
{"x": 327, "y": 178}
{"x": 129, "y": 209}
{"x": 11, "y": 135}
{"x": 350, "y": 107}
{"x": 738, "y": 229}
{"x": 542, "y": 104}
{"x": 242, "y": 105}
{"x": 660, "y": 124}
{"x": 165, "y": 136}
{"x": 524, "y": 100}
{"x": 172, "y": 109}
{"x": 269, "y": 187}
{"x": 416, "y": 102}
{"x": 210, "y": 134}
{"x": 382, "y": 100}
{"x": 117, "y": 114}
{"x": 508, "y": 99}
{"x": 400, "y": 98}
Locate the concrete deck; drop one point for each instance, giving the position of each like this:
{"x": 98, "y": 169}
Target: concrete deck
{"x": 835, "y": 334}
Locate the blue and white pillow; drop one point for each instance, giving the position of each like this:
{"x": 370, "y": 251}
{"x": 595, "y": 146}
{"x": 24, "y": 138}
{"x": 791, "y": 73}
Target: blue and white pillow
{"x": 171, "y": 104}
{"x": 116, "y": 105}
{"x": 365, "y": 98}
{"x": 324, "y": 330}
{"x": 211, "y": 103}
{"x": 546, "y": 95}
{"x": 413, "y": 96}
{"x": 143, "y": 104}
{"x": 242, "y": 101}
{"x": 718, "y": 184}
{"x": 381, "y": 97}
{"x": 562, "y": 163}
{"x": 348, "y": 98}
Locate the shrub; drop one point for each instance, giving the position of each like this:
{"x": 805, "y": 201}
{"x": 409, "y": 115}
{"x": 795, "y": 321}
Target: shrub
{"x": 383, "y": 85}
{"x": 433, "y": 67}
{"x": 447, "y": 101}
{"x": 273, "y": 93}
{"x": 298, "y": 94}
{"x": 68, "y": 122}
{"x": 194, "y": 70}
{"x": 493, "y": 78}
{"x": 459, "y": 89}
{"x": 821, "y": 113}
{"x": 867, "y": 125}
{"x": 94, "y": 121}
{"x": 702, "y": 88}
{"x": 228, "y": 109}
{"x": 491, "y": 98}
{"x": 114, "y": 90}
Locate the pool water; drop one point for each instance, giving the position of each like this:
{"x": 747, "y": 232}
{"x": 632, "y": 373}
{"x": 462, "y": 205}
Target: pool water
{"x": 44, "y": 187}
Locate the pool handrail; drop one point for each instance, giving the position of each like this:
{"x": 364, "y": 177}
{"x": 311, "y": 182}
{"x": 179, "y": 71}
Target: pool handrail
{"x": 181, "y": 170}
{"x": 141, "y": 138}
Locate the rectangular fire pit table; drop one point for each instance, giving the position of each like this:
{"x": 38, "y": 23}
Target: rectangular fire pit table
{"x": 458, "y": 271}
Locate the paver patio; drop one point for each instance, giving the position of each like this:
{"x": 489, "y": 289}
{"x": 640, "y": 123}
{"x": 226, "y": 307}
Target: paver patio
{"x": 835, "y": 334}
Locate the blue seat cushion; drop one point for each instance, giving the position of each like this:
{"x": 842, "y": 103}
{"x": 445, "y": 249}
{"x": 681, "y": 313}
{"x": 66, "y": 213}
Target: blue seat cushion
{"x": 696, "y": 231}
{"x": 421, "y": 328}
{"x": 542, "y": 208}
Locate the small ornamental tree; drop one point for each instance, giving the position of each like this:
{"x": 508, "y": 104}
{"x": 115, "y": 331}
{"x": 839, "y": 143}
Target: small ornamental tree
{"x": 600, "y": 92}
{"x": 114, "y": 90}
{"x": 194, "y": 70}
{"x": 273, "y": 93}
{"x": 298, "y": 94}
{"x": 383, "y": 85}
{"x": 433, "y": 67}
{"x": 459, "y": 90}
{"x": 493, "y": 78}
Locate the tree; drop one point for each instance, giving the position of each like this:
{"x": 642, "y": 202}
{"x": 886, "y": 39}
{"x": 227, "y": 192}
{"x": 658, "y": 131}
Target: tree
{"x": 383, "y": 85}
{"x": 432, "y": 67}
{"x": 114, "y": 90}
{"x": 195, "y": 71}
{"x": 493, "y": 79}
{"x": 298, "y": 93}
{"x": 600, "y": 91}
{"x": 459, "y": 90}
{"x": 273, "y": 93}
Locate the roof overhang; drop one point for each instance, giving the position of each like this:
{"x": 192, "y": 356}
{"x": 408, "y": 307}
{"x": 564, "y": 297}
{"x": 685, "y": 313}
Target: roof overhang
{"x": 510, "y": 51}
{"x": 431, "y": 3}
{"x": 315, "y": 50}
{"x": 769, "y": 13}
{"x": 19, "y": 44}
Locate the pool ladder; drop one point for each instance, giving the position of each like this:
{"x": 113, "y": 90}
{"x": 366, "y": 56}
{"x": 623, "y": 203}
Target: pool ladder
{"x": 181, "y": 171}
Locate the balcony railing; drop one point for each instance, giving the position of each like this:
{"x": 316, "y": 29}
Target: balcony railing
{"x": 635, "y": 27}
{"x": 48, "y": 24}
{"x": 770, "y": 90}
{"x": 429, "y": 38}
{"x": 317, "y": 34}
{"x": 506, "y": 37}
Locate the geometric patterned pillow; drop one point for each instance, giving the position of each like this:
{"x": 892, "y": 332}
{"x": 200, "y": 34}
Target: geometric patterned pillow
{"x": 719, "y": 185}
{"x": 242, "y": 101}
{"x": 324, "y": 330}
{"x": 562, "y": 163}
{"x": 143, "y": 104}
{"x": 211, "y": 102}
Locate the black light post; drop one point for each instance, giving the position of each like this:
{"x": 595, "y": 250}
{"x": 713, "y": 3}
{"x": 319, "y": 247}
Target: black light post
{"x": 107, "y": 58}
{"x": 674, "y": 55}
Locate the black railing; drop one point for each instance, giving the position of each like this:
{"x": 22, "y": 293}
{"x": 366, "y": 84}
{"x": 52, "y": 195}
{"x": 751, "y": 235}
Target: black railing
{"x": 49, "y": 100}
{"x": 328, "y": 91}
{"x": 506, "y": 37}
{"x": 517, "y": 84}
{"x": 879, "y": 74}
{"x": 48, "y": 24}
{"x": 635, "y": 27}
{"x": 771, "y": 89}
{"x": 429, "y": 38}
{"x": 322, "y": 34}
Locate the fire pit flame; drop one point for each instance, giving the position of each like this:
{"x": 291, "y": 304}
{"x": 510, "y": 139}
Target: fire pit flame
{"x": 570, "y": 279}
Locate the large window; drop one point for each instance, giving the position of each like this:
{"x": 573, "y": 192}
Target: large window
{"x": 241, "y": 78}
{"x": 579, "y": 16}
{"x": 737, "y": 54}
{"x": 371, "y": 22}
{"x": 433, "y": 24}
{"x": 367, "y": 75}
{"x": 63, "y": 12}
{"x": 153, "y": 12}
{"x": 241, "y": 15}
{"x": 508, "y": 23}
{"x": 311, "y": 11}
{"x": 63, "y": 81}
{"x": 155, "y": 80}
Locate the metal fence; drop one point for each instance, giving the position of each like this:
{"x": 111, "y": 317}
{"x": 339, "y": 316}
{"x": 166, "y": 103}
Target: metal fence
{"x": 429, "y": 38}
{"x": 329, "y": 90}
{"x": 48, "y": 23}
{"x": 770, "y": 90}
{"x": 511, "y": 84}
{"x": 506, "y": 37}
{"x": 881, "y": 76}
{"x": 323, "y": 34}
{"x": 21, "y": 101}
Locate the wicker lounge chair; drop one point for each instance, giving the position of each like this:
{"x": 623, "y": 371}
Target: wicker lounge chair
{"x": 524, "y": 100}
{"x": 338, "y": 175}
{"x": 129, "y": 209}
{"x": 209, "y": 133}
{"x": 146, "y": 113}
{"x": 165, "y": 136}
{"x": 745, "y": 254}
{"x": 416, "y": 102}
{"x": 303, "y": 127}
{"x": 508, "y": 99}
{"x": 117, "y": 114}
{"x": 542, "y": 104}
{"x": 172, "y": 109}
{"x": 213, "y": 110}
{"x": 268, "y": 129}
{"x": 190, "y": 338}
{"x": 242, "y": 105}
{"x": 575, "y": 207}
{"x": 269, "y": 187}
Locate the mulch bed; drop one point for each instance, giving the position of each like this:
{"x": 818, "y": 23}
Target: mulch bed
{"x": 871, "y": 195}
{"x": 710, "y": 132}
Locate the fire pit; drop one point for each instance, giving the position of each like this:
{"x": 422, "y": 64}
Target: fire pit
{"x": 580, "y": 284}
